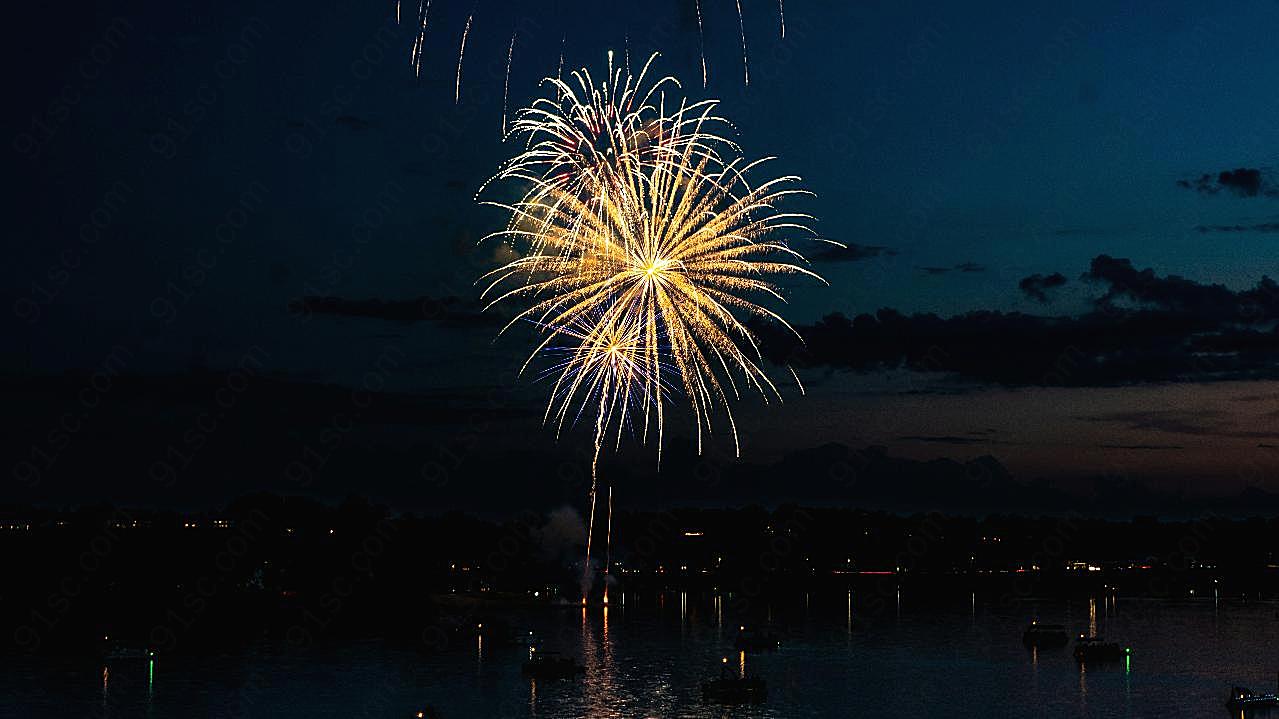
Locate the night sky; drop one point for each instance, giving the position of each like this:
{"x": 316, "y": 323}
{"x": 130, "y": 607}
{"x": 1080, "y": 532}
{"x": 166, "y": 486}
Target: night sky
{"x": 1060, "y": 220}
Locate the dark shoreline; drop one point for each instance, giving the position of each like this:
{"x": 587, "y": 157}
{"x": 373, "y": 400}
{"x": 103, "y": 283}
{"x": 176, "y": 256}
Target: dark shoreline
{"x": 285, "y": 568}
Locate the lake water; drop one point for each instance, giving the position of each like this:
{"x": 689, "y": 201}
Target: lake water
{"x": 647, "y": 657}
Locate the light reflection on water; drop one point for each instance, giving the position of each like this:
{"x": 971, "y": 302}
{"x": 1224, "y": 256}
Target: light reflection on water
{"x": 839, "y": 657}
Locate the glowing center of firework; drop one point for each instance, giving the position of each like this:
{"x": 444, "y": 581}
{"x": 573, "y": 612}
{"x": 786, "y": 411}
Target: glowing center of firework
{"x": 655, "y": 268}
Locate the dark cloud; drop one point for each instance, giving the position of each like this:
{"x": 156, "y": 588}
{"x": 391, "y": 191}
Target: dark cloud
{"x": 1166, "y": 329}
{"x": 961, "y": 267}
{"x": 1178, "y": 294}
{"x": 1037, "y": 286}
{"x": 1172, "y": 421}
{"x": 351, "y": 122}
{"x": 1241, "y": 182}
{"x": 1270, "y": 397}
{"x": 850, "y": 253}
{"x": 873, "y": 477}
{"x": 449, "y": 311}
{"x": 1153, "y": 447}
{"x": 411, "y": 450}
{"x": 1259, "y": 227}
{"x": 1209, "y": 423}
{"x": 1093, "y": 231}
{"x": 944, "y": 439}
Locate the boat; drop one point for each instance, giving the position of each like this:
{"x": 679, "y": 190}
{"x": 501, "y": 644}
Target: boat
{"x": 735, "y": 690}
{"x": 752, "y": 640}
{"x": 1091, "y": 648}
{"x": 1242, "y": 698}
{"x": 550, "y": 665}
{"x": 128, "y": 653}
{"x": 1044, "y": 635}
{"x": 121, "y": 652}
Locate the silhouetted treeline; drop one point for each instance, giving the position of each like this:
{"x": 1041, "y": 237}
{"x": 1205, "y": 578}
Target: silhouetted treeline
{"x": 291, "y": 568}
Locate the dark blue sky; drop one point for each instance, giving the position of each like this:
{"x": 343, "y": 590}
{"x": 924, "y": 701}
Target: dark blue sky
{"x": 183, "y": 174}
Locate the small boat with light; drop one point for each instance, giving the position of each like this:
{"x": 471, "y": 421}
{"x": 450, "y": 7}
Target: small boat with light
{"x": 119, "y": 651}
{"x": 731, "y": 688}
{"x": 734, "y": 690}
{"x": 1096, "y": 649}
{"x": 1044, "y": 635}
{"x": 129, "y": 653}
{"x": 550, "y": 665}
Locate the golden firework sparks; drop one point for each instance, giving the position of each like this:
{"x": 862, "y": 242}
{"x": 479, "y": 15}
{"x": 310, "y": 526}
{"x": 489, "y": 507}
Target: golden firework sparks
{"x": 593, "y": 138}
{"x": 636, "y": 226}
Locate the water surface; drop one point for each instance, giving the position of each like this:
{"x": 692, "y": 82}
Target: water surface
{"x": 646, "y": 657}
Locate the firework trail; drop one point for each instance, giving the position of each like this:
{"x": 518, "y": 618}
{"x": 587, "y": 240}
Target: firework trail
{"x": 701, "y": 43}
{"x": 461, "y": 53}
{"x": 506, "y": 90}
{"x": 741, "y": 24}
{"x": 559, "y": 70}
{"x": 415, "y": 56}
{"x": 608, "y": 541}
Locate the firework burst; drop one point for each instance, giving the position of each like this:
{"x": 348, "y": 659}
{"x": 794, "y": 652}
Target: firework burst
{"x": 642, "y": 232}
